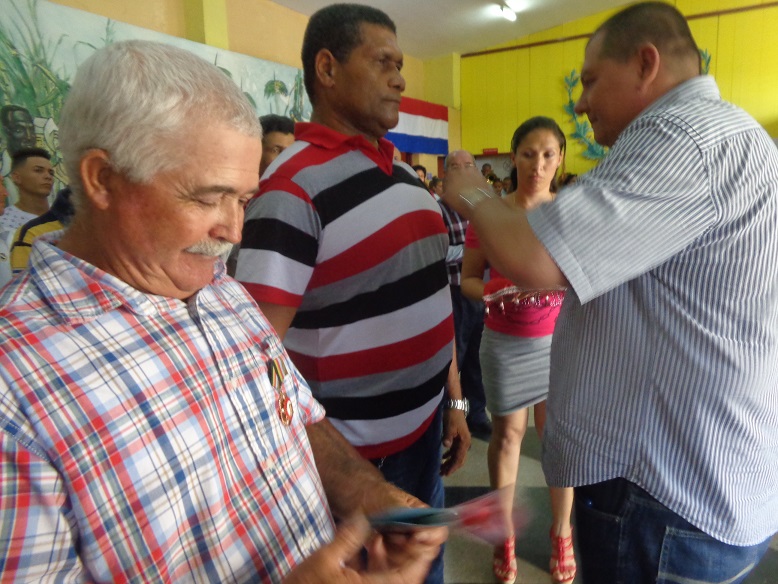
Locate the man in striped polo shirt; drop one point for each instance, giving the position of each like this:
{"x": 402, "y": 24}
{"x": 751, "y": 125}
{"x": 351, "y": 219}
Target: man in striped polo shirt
{"x": 345, "y": 252}
{"x": 662, "y": 409}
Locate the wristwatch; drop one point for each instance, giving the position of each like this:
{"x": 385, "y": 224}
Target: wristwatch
{"x": 458, "y": 404}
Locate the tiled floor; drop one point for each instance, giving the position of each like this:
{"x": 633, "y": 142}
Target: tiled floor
{"x": 469, "y": 562}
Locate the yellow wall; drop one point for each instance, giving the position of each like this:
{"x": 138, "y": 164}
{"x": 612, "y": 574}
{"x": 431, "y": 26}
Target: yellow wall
{"x": 500, "y": 90}
{"x": 488, "y": 95}
{"x": 258, "y": 28}
{"x": 266, "y": 30}
{"x": 166, "y": 16}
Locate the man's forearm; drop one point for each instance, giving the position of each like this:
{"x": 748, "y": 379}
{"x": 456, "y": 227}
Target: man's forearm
{"x": 348, "y": 479}
{"x": 453, "y": 386}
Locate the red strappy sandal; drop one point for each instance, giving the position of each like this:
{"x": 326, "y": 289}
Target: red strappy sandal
{"x": 562, "y": 564}
{"x": 504, "y": 564}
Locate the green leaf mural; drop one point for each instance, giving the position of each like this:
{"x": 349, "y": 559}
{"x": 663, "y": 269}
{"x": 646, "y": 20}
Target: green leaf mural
{"x": 582, "y": 132}
{"x": 42, "y": 44}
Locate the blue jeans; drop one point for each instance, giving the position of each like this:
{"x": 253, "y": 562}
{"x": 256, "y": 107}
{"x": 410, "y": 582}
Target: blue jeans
{"x": 468, "y": 325}
{"x": 626, "y": 536}
{"x": 417, "y": 471}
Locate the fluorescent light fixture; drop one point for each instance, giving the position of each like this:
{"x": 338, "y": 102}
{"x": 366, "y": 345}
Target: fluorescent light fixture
{"x": 516, "y": 5}
{"x": 508, "y": 14}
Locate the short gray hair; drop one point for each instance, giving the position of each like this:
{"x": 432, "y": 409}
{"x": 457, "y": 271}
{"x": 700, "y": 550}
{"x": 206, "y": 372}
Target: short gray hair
{"x": 138, "y": 101}
{"x": 450, "y": 155}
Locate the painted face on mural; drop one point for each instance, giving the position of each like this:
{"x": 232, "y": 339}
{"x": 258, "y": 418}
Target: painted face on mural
{"x": 19, "y": 130}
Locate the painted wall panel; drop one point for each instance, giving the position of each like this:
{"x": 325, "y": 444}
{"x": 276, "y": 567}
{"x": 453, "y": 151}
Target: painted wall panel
{"x": 266, "y": 30}
{"x": 744, "y": 61}
{"x": 165, "y": 16}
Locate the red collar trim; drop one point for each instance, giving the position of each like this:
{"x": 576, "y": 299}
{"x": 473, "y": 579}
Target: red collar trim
{"x": 328, "y": 138}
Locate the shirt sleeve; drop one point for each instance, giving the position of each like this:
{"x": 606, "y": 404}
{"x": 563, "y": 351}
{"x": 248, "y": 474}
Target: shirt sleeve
{"x": 471, "y": 238}
{"x": 648, "y": 199}
{"x": 280, "y": 243}
{"x": 36, "y": 534}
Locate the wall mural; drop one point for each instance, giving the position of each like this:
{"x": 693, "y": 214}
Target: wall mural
{"x": 42, "y": 44}
{"x": 582, "y": 130}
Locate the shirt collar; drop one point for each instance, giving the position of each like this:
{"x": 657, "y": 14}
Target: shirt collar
{"x": 79, "y": 292}
{"x": 703, "y": 86}
{"x": 330, "y": 139}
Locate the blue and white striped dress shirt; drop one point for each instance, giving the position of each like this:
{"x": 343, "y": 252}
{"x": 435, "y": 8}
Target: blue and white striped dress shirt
{"x": 665, "y": 357}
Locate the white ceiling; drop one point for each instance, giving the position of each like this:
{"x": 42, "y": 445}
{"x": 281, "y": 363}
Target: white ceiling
{"x": 433, "y": 28}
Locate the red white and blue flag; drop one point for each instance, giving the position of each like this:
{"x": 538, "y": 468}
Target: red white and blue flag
{"x": 423, "y": 128}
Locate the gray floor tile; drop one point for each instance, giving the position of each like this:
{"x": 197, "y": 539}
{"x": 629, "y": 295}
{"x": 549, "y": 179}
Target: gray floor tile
{"x": 468, "y": 561}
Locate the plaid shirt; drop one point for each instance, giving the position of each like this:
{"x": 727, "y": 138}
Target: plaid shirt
{"x": 457, "y": 226}
{"x": 139, "y": 435}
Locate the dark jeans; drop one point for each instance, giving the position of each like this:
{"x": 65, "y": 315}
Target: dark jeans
{"x": 468, "y": 325}
{"x": 625, "y": 536}
{"x": 417, "y": 471}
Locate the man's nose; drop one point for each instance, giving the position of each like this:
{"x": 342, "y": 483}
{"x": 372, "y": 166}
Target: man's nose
{"x": 230, "y": 227}
{"x": 399, "y": 82}
{"x": 580, "y": 106}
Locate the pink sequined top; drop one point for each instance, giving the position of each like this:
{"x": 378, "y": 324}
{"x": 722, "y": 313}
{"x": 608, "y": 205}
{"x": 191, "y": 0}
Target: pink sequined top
{"x": 515, "y": 311}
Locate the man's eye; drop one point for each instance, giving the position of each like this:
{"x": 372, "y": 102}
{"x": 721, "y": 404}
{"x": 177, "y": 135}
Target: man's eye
{"x": 207, "y": 202}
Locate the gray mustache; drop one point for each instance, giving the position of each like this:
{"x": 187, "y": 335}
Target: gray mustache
{"x": 210, "y": 247}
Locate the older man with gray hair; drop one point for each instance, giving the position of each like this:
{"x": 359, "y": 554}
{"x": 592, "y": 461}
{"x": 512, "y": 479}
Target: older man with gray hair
{"x": 152, "y": 427}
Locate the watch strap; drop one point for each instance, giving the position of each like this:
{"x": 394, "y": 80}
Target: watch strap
{"x": 458, "y": 404}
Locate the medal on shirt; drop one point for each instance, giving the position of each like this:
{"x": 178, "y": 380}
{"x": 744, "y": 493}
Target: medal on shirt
{"x": 276, "y": 371}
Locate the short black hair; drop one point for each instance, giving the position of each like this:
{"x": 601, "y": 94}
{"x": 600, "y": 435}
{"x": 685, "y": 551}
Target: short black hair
{"x": 336, "y": 28}
{"x": 21, "y": 156}
{"x": 275, "y": 123}
{"x": 434, "y": 181}
{"x": 420, "y": 167}
{"x": 647, "y": 22}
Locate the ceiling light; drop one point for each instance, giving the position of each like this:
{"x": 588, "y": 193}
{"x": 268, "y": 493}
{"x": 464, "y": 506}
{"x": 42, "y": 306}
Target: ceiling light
{"x": 507, "y": 13}
{"x": 516, "y": 5}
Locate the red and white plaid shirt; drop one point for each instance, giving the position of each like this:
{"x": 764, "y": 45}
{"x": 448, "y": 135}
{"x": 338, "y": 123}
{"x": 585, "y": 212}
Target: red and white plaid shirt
{"x": 139, "y": 437}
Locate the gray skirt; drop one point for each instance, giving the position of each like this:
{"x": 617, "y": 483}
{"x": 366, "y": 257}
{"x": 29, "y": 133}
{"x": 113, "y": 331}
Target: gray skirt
{"x": 514, "y": 370}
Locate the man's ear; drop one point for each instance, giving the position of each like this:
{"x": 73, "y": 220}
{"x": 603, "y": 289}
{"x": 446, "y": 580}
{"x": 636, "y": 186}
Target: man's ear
{"x": 326, "y": 66}
{"x": 15, "y": 178}
{"x": 96, "y": 176}
{"x": 649, "y": 60}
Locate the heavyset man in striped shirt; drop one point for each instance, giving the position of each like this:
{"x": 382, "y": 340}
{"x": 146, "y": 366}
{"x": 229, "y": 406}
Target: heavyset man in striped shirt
{"x": 663, "y": 406}
{"x": 152, "y": 427}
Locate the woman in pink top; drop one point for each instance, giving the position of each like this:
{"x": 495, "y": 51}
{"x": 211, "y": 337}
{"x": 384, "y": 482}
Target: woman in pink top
{"x": 516, "y": 344}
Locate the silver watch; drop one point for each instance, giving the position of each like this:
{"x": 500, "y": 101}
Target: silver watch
{"x": 458, "y": 404}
